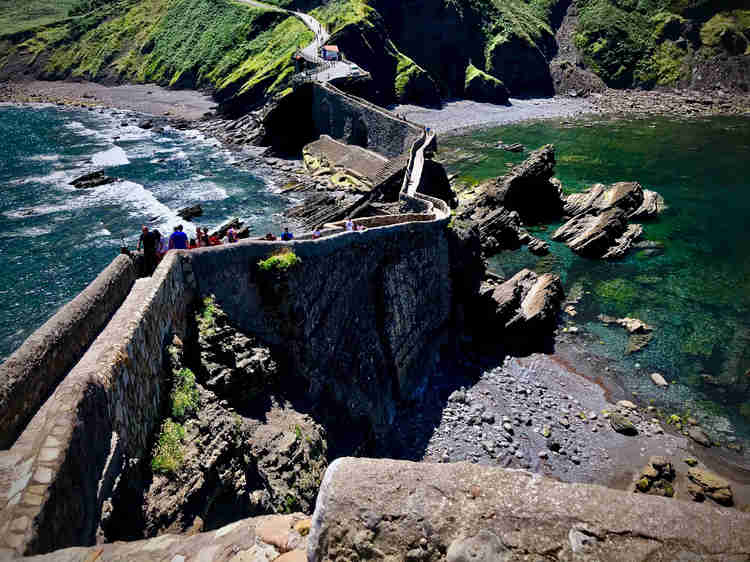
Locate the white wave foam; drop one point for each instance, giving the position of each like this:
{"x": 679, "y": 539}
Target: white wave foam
{"x": 115, "y": 156}
{"x": 31, "y": 232}
{"x": 81, "y": 129}
{"x": 44, "y": 158}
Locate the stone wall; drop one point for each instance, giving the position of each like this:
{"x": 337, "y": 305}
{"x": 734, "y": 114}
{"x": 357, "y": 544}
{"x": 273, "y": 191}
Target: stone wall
{"x": 360, "y": 318}
{"x": 29, "y": 375}
{"x": 463, "y": 511}
{"x": 356, "y": 121}
{"x": 55, "y": 478}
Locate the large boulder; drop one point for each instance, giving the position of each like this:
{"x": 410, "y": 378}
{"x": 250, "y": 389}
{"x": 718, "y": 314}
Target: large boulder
{"x": 638, "y": 203}
{"x": 396, "y": 510}
{"x": 528, "y": 189}
{"x": 525, "y": 308}
{"x": 711, "y": 485}
{"x": 603, "y": 235}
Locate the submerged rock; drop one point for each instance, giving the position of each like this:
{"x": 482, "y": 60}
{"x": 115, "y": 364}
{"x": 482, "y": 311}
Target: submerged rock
{"x": 94, "y": 179}
{"x": 699, "y": 436}
{"x": 658, "y": 380}
{"x": 189, "y": 213}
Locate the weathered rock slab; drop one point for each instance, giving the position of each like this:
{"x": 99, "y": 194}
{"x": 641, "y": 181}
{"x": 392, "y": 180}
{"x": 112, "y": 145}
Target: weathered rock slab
{"x": 390, "y": 508}
{"x": 603, "y": 235}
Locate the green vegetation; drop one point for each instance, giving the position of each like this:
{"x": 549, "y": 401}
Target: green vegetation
{"x": 17, "y": 15}
{"x": 207, "y": 316}
{"x": 635, "y": 42}
{"x": 336, "y": 15}
{"x": 411, "y": 79}
{"x": 730, "y": 30}
{"x": 168, "y": 450}
{"x": 280, "y": 261}
{"x": 185, "y": 396}
{"x": 227, "y": 46}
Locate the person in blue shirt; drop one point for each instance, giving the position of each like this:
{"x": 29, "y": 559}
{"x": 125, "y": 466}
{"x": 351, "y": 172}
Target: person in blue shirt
{"x": 178, "y": 240}
{"x": 286, "y": 235}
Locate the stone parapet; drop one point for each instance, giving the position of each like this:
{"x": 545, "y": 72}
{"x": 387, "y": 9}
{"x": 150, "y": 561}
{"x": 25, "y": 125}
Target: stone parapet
{"x": 55, "y": 478}
{"x": 29, "y": 375}
{"x": 397, "y": 510}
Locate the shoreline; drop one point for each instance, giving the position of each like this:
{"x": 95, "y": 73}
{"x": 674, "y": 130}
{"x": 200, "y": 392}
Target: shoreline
{"x": 458, "y": 117}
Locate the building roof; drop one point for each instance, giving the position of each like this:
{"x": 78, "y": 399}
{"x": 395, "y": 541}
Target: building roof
{"x": 332, "y": 48}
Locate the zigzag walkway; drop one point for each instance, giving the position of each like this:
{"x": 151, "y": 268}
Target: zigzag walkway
{"x": 326, "y": 71}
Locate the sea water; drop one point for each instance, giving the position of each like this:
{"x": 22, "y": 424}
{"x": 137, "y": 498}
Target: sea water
{"x": 696, "y": 293}
{"x": 55, "y": 239}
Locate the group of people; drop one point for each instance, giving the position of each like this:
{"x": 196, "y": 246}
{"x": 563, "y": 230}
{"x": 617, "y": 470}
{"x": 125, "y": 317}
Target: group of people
{"x": 155, "y": 245}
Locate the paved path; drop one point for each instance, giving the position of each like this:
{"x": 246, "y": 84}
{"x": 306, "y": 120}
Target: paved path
{"x": 311, "y": 53}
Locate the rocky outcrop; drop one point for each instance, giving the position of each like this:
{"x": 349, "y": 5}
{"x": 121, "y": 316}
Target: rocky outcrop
{"x": 528, "y": 189}
{"x": 706, "y": 484}
{"x": 527, "y": 194}
{"x": 189, "y": 213}
{"x": 599, "y": 226}
{"x": 244, "y": 451}
{"x": 483, "y": 87}
{"x": 656, "y": 478}
{"x": 629, "y": 196}
{"x": 604, "y": 235}
{"x": 399, "y": 510}
{"x": 94, "y": 179}
{"x": 524, "y": 308}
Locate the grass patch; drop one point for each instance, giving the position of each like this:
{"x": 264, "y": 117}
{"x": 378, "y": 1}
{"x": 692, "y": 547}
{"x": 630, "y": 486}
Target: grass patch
{"x": 280, "y": 261}
{"x": 21, "y": 15}
{"x": 227, "y": 46}
{"x": 185, "y": 397}
{"x": 168, "y": 455}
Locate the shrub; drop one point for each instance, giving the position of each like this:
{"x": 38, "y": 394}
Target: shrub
{"x": 168, "y": 450}
{"x": 185, "y": 394}
{"x": 280, "y": 261}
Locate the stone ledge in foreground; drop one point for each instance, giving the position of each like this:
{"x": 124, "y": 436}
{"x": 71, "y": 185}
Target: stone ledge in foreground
{"x": 397, "y": 510}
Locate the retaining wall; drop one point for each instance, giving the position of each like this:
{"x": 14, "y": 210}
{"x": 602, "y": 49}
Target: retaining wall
{"x": 356, "y": 121}
{"x": 29, "y": 375}
{"x": 360, "y": 318}
{"x": 55, "y": 478}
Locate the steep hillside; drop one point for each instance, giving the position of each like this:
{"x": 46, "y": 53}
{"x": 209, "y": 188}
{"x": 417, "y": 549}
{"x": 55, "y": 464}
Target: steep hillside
{"x": 510, "y": 40}
{"x": 237, "y": 51}
{"x": 359, "y": 30}
{"x": 649, "y": 43}
{"x": 418, "y": 51}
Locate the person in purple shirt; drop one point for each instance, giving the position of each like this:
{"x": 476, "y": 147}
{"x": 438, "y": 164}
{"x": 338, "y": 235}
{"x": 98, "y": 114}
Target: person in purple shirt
{"x": 178, "y": 240}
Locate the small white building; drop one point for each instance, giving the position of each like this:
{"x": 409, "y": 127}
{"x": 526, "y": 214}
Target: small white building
{"x": 330, "y": 52}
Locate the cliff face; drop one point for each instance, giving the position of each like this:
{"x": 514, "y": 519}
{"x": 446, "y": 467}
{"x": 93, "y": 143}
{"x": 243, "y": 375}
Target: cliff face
{"x": 359, "y": 321}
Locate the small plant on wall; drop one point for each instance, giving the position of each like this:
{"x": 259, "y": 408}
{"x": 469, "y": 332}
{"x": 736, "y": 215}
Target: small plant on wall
{"x": 279, "y": 261}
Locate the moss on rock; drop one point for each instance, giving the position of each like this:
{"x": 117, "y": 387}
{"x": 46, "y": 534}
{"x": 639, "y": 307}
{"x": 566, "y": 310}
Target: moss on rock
{"x": 482, "y": 87}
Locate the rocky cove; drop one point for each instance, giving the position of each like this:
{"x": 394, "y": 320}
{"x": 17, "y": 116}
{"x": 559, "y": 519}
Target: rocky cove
{"x": 267, "y": 417}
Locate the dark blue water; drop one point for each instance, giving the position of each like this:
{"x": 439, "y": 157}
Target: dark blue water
{"x": 696, "y": 294}
{"x": 55, "y": 239}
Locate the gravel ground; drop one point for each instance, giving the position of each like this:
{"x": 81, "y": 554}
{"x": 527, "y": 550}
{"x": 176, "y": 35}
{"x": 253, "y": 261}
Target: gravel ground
{"x": 551, "y": 414}
{"x": 147, "y": 99}
{"x": 458, "y": 116}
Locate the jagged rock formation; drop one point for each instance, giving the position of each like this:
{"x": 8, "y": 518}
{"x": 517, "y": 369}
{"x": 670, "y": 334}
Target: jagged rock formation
{"x": 483, "y": 87}
{"x": 528, "y": 194}
{"x": 244, "y": 450}
{"x": 599, "y": 225}
{"x": 524, "y": 309}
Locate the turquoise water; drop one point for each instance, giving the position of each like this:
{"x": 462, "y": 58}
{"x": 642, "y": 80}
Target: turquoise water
{"x": 696, "y": 294}
{"x": 55, "y": 239}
